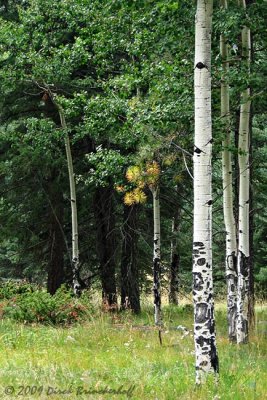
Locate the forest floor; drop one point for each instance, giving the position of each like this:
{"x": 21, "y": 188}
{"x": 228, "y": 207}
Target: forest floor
{"x": 119, "y": 356}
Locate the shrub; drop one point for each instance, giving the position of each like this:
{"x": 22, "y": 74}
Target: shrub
{"x": 40, "y": 306}
{"x": 10, "y": 288}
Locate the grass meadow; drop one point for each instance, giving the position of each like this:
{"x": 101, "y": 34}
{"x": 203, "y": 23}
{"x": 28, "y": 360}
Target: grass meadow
{"x": 119, "y": 356}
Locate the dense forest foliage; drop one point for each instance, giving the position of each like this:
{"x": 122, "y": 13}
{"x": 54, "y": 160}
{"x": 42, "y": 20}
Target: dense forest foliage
{"x": 121, "y": 74}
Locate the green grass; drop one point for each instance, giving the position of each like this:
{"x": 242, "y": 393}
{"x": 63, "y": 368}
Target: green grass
{"x": 114, "y": 350}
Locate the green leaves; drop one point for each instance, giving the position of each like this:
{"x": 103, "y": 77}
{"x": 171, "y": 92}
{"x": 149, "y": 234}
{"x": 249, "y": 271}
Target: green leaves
{"x": 104, "y": 164}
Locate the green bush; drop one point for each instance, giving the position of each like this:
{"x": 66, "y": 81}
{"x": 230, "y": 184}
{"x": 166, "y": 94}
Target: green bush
{"x": 39, "y": 306}
{"x": 10, "y": 288}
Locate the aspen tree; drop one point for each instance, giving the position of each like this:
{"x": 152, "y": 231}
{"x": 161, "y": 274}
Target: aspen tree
{"x": 73, "y": 200}
{"x": 228, "y": 206}
{"x": 156, "y": 255}
{"x": 150, "y": 177}
{"x": 243, "y": 206}
{"x": 74, "y": 217}
{"x": 204, "y": 322}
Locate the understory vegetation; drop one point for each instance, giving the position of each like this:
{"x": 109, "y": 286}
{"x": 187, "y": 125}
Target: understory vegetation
{"x": 108, "y": 351}
{"x": 29, "y": 303}
{"x": 60, "y": 347}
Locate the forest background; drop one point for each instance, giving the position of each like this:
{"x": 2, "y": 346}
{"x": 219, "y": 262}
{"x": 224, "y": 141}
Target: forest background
{"x": 121, "y": 74}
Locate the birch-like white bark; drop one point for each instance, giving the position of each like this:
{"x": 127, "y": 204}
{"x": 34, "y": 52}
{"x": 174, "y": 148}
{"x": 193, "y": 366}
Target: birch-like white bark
{"x": 204, "y": 323}
{"x": 74, "y": 218}
{"x": 228, "y": 204}
{"x": 156, "y": 256}
{"x": 243, "y": 216}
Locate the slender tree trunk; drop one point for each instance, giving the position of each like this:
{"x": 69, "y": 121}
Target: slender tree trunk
{"x": 130, "y": 295}
{"x": 175, "y": 261}
{"x": 156, "y": 257}
{"x": 243, "y": 234}
{"x": 236, "y": 175}
{"x": 55, "y": 276}
{"x": 104, "y": 214}
{"x": 74, "y": 218}
{"x": 228, "y": 204}
{"x": 204, "y": 322}
{"x": 251, "y": 297}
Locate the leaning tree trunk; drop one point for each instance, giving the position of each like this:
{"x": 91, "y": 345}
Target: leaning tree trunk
{"x": 228, "y": 204}
{"x": 74, "y": 218}
{"x": 204, "y": 322}
{"x": 243, "y": 216}
{"x": 105, "y": 223}
{"x": 175, "y": 261}
{"x": 130, "y": 294}
{"x": 156, "y": 256}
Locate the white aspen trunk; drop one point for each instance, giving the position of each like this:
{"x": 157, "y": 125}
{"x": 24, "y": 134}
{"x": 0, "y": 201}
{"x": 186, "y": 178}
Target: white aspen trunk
{"x": 74, "y": 218}
{"x": 228, "y": 205}
{"x": 156, "y": 257}
{"x": 243, "y": 216}
{"x": 204, "y": 322}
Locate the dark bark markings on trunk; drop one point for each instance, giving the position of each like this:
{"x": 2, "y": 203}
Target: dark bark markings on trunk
{"x": 204, "y": 325}
{"x": 244, "y": 173}
{"x": 72, "y": 185}
{"x": 156, "y": 258}
{"x": 231, "y": 278}
{"x": 229, "y": 219}
{"x": 251, "y": 296}
{"x": 243, "y": 296}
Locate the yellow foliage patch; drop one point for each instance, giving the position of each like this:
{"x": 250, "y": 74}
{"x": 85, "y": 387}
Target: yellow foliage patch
{"x": 133, "y": 173}
{"x": 153, "y": 169}
{"x": 139, "y": 196}
{"x": 129, "y": 199}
